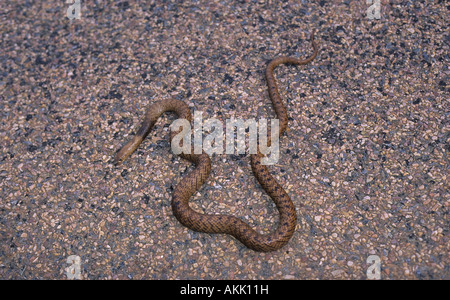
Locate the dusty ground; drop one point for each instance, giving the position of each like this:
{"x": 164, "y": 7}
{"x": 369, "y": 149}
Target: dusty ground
{"x": 365, "y": 160}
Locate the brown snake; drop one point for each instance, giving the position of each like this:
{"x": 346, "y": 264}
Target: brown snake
{"x": 194, "y": 180}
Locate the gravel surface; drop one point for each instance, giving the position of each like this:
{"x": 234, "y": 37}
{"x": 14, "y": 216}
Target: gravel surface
{"x": 365, "y": 159}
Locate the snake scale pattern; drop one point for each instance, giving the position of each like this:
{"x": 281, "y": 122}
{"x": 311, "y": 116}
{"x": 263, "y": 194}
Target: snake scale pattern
{"x": 192, "y": 182}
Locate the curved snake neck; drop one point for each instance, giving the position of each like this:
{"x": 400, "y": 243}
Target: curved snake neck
{"x": 194, "y": 180}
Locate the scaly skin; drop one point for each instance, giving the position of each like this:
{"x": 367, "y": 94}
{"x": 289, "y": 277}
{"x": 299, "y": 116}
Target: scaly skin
{"x": 196, "y": 178}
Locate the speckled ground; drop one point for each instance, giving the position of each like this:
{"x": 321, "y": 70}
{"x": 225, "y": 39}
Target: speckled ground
{"x": 365, "y": 161}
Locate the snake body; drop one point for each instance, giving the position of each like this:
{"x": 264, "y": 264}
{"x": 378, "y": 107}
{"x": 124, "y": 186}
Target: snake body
{"x": 196, "y": 178}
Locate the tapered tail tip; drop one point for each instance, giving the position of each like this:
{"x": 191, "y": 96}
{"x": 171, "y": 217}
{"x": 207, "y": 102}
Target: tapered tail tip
{"x": 118, "y": 158}
{"x": 126, "y": 150}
